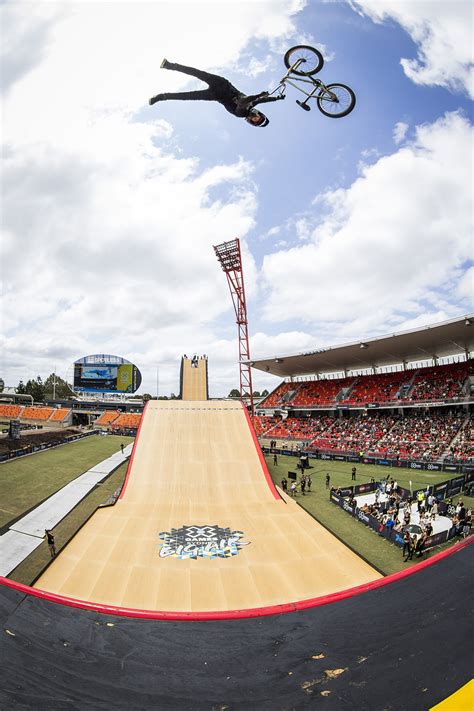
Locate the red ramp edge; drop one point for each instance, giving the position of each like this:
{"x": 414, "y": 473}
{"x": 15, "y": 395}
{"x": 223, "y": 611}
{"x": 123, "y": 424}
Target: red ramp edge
{"x": 263, "y": 463}
{"x": 236, "y": 614}
{"x": 134, "y": 449}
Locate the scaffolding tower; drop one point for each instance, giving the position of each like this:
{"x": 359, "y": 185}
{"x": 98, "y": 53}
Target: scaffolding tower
{"x": 230, "y": 259}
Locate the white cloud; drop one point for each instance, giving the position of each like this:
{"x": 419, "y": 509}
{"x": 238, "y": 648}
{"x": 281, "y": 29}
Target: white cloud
{"x": 442, "y": 32}
{"x": 399, "y": 132}
{"x": 108, "y": 227}
{"x": 465, "y": 287}
{"x": 390, "y": 246}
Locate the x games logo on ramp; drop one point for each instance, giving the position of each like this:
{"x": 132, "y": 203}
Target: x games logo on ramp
{"x": 201, "y": 542}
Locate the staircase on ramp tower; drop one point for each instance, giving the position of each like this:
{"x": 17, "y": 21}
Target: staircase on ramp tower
{"x": 193, "y": 378}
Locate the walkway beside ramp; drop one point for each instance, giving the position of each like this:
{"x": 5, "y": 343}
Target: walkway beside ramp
{"x": 26, "y": 534}
{"x": 200, "y": 526}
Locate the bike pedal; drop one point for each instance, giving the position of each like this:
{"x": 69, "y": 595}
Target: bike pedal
{"x": 303, "y": 105}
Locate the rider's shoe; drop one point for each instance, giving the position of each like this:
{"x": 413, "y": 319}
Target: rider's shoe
{"x": 164, "y": 64}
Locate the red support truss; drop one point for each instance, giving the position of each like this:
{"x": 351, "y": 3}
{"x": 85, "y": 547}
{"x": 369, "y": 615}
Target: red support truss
{"x": 230, "y": 259}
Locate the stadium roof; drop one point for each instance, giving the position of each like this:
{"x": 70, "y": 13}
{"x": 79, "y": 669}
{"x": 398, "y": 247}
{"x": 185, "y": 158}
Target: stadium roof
{"x": 439, "y": 340}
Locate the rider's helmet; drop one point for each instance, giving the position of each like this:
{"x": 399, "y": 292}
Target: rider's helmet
{"x": 256, "y": 118}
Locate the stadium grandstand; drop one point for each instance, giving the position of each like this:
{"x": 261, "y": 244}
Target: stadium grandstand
{"x": 407, "y": 396}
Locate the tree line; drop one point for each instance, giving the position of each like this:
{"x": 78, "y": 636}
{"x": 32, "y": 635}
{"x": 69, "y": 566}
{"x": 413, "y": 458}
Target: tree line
{"x": 54, "y": 387}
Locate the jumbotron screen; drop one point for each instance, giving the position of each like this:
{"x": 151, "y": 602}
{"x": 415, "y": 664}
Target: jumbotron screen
{"x": 106, "y": 374}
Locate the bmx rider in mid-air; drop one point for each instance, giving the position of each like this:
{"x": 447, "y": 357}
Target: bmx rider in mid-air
{"x": 222, "y": 91}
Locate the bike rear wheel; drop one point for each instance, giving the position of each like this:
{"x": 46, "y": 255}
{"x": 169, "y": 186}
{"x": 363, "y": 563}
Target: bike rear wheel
{"x": 338, "y": 103}
{"x": 313, "y": 60}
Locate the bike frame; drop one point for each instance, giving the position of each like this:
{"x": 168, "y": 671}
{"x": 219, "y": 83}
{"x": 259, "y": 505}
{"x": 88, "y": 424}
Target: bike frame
{"x": 291, "y": 79}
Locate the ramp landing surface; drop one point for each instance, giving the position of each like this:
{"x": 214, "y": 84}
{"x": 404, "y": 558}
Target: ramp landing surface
{"x": 200, "y": 526}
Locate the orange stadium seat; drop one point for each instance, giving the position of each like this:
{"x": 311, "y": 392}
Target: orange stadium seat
{"x": 37, "y": 413}
{"x": 107, "y": 417}
{"x": 59, "y": 414}
{"x": 127, "y": 421}
{"x": 12, "y": 411}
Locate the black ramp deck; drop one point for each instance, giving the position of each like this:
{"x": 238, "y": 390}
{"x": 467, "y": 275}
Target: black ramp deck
{"x": 404, "y": 646}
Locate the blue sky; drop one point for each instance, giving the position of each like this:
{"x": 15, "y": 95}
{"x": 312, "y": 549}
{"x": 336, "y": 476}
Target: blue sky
{"x": 350, "y": 228}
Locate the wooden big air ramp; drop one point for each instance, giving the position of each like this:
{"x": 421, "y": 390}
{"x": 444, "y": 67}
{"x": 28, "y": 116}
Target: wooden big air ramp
{"x": 194, "y": 378}
{"x": 200, "y": 526}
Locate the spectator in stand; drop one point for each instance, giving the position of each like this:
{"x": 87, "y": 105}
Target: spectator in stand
{"x": 411, "y": 548}
{"x": 407, "y": 514}
{"x": 51, "y": 542}
{"x": 420, "y": 544}
{"x": 466, "y": 529}
{"x": 406, "y": 543}
{"x": 420, "y": 501}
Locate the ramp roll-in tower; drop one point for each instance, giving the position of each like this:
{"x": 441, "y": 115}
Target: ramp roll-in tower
{"x": 193, "y": 378}
{"x": 229, "y": 256}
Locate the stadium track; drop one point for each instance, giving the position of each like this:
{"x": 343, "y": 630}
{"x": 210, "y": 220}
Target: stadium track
{"x": 403, "y": 646}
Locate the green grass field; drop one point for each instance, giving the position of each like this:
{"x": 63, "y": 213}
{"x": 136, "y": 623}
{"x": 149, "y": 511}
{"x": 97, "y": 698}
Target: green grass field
{"x": 27, "y": 481}
{"x": 385, "y": 556}
{"x": 37, "y": 561}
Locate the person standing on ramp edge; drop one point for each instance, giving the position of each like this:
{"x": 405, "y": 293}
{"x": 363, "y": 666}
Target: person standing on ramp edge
{"x": 220, "y": 90}
{"x": 51, "y": 542}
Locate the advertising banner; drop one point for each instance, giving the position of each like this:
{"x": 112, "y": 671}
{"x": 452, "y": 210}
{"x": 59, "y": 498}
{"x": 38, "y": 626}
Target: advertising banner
{"x": 436, "y": 539}
{"x": 404, "y": 493}
{"x": 364, "y": 488}
{"x": 439, "y": 490}
{"x": 384, "y": 462}
{"x": 345, "y": 491}
{"x": 433, "y": 467}
{"x": 455, "y": 485}
{"x": 451, "y": 468}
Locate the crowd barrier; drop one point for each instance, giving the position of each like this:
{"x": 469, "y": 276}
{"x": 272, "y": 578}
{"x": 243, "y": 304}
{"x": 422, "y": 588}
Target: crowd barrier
{"x": 390, "y": 534}
{"x": 443, "y": 490}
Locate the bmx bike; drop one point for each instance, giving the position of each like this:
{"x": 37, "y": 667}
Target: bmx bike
{"x": 303, "y": 62}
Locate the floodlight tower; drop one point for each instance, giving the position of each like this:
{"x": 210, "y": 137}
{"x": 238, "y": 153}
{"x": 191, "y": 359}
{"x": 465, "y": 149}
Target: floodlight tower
{"x": 230, "y": 259}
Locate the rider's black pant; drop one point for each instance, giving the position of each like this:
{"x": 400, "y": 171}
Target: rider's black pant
{"x": 218, "y": 87}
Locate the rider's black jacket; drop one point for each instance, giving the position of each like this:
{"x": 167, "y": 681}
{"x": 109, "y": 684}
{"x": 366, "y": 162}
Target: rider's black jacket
{"x": 219, "y": 89}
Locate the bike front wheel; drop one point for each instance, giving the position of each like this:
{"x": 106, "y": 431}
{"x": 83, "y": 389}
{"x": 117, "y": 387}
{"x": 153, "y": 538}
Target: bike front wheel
{"x": 336, "y": 100}
{"x": 310, "y": 60}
